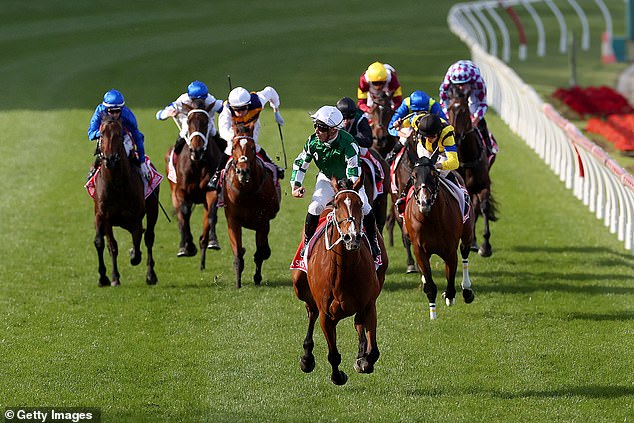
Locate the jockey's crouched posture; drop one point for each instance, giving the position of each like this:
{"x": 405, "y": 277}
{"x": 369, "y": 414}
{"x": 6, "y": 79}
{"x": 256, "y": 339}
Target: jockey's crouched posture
{"x": 113, "y": 104}
{"x": 335, "y": 153}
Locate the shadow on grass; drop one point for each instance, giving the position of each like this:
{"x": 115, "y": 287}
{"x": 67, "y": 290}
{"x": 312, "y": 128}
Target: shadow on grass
{"x": 590, "y": 391}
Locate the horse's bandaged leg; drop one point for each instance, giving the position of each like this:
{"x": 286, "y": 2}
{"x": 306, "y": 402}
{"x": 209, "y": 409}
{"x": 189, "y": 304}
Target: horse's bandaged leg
{"x": 466, "y": 282}
{"x": 432, "y": 311}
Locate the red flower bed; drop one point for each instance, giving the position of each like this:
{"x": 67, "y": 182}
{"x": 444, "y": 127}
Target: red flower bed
{"x": 615, "y": 121}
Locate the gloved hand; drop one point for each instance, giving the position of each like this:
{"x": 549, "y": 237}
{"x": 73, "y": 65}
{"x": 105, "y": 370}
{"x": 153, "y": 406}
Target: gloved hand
{"x": 145, "y": 171}
{"x": 279, "y": 119}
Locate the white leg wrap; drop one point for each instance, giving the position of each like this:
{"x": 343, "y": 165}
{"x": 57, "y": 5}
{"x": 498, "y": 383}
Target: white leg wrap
{"x": 466, "y": 282}
{"x": 432, "y": 311}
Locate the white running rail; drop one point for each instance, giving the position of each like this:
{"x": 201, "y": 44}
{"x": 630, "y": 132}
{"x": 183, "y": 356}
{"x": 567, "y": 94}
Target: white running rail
{"x": 596, "y": 179}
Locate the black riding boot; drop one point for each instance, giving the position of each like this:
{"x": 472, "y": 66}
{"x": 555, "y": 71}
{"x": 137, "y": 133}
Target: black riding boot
{"x": 369, "y": 223}
{"x": 280, "y": 171}
{"x": 178, "y": 145}
{"x": 484, "y": 132}
{"x": 213, "y": 184}
{"x": 395, "y": 150}
{"x": 94, "y": 167}
{"x": 309, "y": 230}
{"x": 403, "y": 196}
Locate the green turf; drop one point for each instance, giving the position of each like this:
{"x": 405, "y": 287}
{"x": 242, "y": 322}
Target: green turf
{"x": 548, "y": 337}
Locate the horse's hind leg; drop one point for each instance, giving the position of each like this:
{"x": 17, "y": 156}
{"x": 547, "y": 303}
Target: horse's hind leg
{"x": 467, "y": 293}
{"x": 213, "y": 243}
{"x": 262, "y": 252}
{"x": 329, "y": 327}
{"x": 485, "y": 209}
{"x": 151, "y": 219}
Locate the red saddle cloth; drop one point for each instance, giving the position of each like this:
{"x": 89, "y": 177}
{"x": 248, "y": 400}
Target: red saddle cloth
{"x": 299, "y": 263}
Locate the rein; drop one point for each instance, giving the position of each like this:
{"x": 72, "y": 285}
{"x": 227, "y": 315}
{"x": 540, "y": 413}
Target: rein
{"x": 331, "y": 220}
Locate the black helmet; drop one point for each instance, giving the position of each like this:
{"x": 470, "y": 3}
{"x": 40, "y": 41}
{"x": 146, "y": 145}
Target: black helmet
{"x": 429, "y": 125}
{"x": 347, "y": 107}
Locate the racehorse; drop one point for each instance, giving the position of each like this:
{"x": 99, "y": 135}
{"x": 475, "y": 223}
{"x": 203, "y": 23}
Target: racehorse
{"x": 251, "y": 201}
{"x": 402, "y": 173}
{"x": 380, "y": 117}
{"x": 120, "y": 201}
{"x": 380, "y": 203}
{"x": 194, "y": 165}
{"x": 341, "y": 281}
{"x": 474, "y": 167}
{"x": 435, "y": 225}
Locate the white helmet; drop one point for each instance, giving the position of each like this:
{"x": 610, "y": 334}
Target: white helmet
{"x": 239, "y": 97}
{"x": 330, "y": 116}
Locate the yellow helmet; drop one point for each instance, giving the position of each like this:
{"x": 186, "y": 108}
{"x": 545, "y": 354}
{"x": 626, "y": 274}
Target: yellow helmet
{"x": 376, "y": 72}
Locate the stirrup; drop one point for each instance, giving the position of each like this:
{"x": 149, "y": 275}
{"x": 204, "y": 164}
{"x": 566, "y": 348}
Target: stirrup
{"x": 302, "y": 253}
{"x": 280, "y": 173}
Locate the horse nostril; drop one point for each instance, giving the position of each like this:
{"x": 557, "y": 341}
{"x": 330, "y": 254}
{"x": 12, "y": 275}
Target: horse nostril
{"x": 347, "y": 238}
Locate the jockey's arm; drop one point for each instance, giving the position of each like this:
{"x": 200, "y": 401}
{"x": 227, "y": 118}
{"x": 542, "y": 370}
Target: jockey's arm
{"x": 364, "y": 134}
{"x": 224, "y": 125}
{"x": 452, "y": 162}
{"x": 353, "y": 167}
{"x": 95, "y": 122}
{"x": 400, "y": 113}
{"x": 268, "y": 94}
{"x": 300, "y": 166}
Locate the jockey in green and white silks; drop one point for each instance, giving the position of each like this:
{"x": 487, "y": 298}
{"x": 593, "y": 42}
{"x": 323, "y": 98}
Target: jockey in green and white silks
{"x": 336, "y": 153}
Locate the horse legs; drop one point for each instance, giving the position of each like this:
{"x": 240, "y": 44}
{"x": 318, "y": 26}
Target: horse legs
{"x": 212, "y": 201}
{"x": 262, "y": 252}
{"x": 100, "y": 246}
{"x": 429, "y": 287}
{"x": 485, "y": 209}
{"x": 329, "y": 327}
{"x": 389, "y": 223}
{"x": 186, "y": 247}
{"x": 151, "y": 219}
{"x": 465, "y": 248}
{"x": 411, "y": 268}
{"x": 136, "y": 231}
{"x": 113, "y": 249}
{"x": 235, "y": 238}
{"x": 451, "y": 264}
{"x": 368, "y": 348}
{"x": 302, "y": 291}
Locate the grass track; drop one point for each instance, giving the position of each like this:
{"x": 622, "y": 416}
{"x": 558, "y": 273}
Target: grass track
{"x": 548, "y": 337}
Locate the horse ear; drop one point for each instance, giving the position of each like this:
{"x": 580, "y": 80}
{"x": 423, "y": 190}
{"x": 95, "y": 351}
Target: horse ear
{"x": 334, "y": 182}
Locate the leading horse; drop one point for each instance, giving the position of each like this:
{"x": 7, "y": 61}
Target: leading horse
{"x": 341, "y": 281}
{"x": 435, "y": 225}
{"x": 120, "y": 201}
{"x": 251, "y": 201}
{"x": 474, "y": 167}
{"x": 194, "y": 165}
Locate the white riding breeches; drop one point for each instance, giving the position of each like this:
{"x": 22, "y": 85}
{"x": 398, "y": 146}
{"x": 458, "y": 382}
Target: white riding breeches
{"x": 324, "y": 193}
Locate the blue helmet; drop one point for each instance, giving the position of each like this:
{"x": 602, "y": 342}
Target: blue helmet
{"x": 113, "y": 98}
{"x": 419, "y": 101}
{"x": 197, "y": 90}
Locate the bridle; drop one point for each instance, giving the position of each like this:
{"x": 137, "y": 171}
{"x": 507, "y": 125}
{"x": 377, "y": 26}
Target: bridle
{"x": 112, "y": 159}
{"x": 191, "y": 135}
{"x": 423, "y": 200}
{"x": 331, "y": 220}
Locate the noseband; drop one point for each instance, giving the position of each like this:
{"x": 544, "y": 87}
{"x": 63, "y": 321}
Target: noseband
{"x": 191, "y": 135}
{"x": 426, "y": 203}
{"x": 332, "y": 220}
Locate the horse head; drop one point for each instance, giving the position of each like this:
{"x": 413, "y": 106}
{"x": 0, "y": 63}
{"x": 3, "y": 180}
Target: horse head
{"x": 348, "y": 211}
{"x": 380, "y": 116}
{"x": 198, "y": 122}
{"x": 243, "y": 153}
{"x": 458, "y": 112}
{"x": 426, "y": 182}
{"x": 111, "y": 148}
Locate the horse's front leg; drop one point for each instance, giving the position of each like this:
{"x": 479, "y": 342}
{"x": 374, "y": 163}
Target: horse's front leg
{"x": 407, "y": 244}
{"x": 485, "y": 209}
{"x": 368, "y": 348}
{"x": 451, "y": 265}
{"x": 235, "y": 238}
{"x": 465, "y": 248}
{"x": 429, "y": 287}
{"x": 151, "y": 218}
{"x": 100, "y": 247}
{"x": 186, "y": 247}
{"x": 113, "y": 249}
{"x": 262, "y": 252}
{"x": 137, "y": 235}
{"x": 212, "y": 202}
{"x": 329, "y": 327}
{"x": 302, "y": 291}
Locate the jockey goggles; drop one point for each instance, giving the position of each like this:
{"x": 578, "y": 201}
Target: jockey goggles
{"x": 321, "y": 127}
{"x": 113, "y": 110}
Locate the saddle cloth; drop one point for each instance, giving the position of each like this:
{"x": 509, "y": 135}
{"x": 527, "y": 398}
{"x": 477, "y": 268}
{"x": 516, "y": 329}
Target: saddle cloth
{"x": 148, "y": 186}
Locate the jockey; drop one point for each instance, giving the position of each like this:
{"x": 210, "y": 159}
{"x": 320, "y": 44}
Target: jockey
{"x": 114, "y": 105}
{"x": 435, "y": 133}
{"x": 466, "y": 76}
{"x": 244, "y": 107}
{"x": 197, "y": 97}
{"x": 335, "y": 153}
{"x": 355, "y": 122}
{"x": 417, "y": 102}
{"x": 378, "y": 77}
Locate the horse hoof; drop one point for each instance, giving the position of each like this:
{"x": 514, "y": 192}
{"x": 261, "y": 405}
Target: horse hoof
{"x": 185, "y": 252}
{"x": 103, "y": 282}
{"x": 115, "y": 283}
{"x": 448, "y": 301}
{"x": 474, "y": 247}
{"x": 307, "y": 364}
{"x": 339, "y": 378}
{"x": 362, "y": 365}
{"x": 468, "y": 295}
{"x": 411, "y": 269}
{"x": 257, "y": 278}
{"x": 135, "y": 257}
{"x": 151, "y": 278}
{"x": 485, "y": 251}
{"x": 213, "y": 245}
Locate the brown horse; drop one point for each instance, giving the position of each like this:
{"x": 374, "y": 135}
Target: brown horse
{"x": 380, "y": 117}
{"x": 474, "y": 168}
{"x": 119, "y": 201}
{"x": 342, "y": 281}
{"x": 379, "y": 204}
{"x": 251, "y": 201}
{"x": 195, "y": 165}
{"x": 434, "y": 223}
{"x": 402, "y": 173}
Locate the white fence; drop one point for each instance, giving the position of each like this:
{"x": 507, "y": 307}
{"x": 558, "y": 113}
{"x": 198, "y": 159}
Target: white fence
{"x": 595, "y": 178}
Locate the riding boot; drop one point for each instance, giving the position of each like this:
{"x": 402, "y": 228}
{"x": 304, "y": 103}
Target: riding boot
{"x": 93, "y": 168}
{"x": 280, "y": 171}
{"x": 395, "y": 150}
{"x": 369, "y": 223}
{"x": 309, "y": 230}
{"x": 400, "y": 202}
{"x": 484, "y": 132}
{"x": 214, "y": 182}
{"x": 178, "y": 145}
